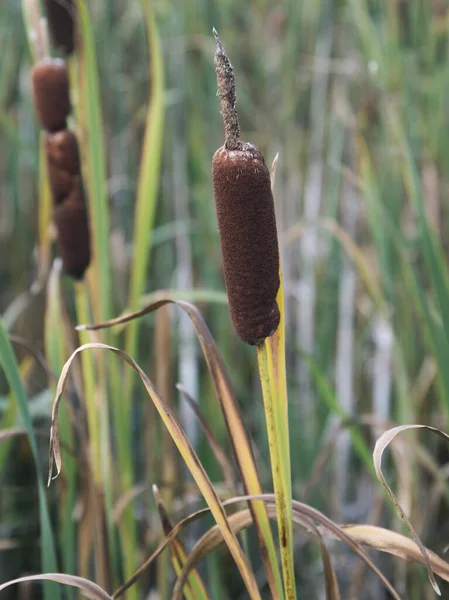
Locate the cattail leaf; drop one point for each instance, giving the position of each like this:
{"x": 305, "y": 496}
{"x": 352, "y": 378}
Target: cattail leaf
{"x": 56, "y": 353}
{"x": 88, "y": 588}
{"x": 396, "y": 544}
{"x": 300, "y": 513}
{"x": 148, "y": 183}
{"x": 194, "y": 588}
{"x": 85, "y": 88}
{"x": 183, "y": 445}
{"x": 381, "y": 445}
{"x": 302, "y": 516}
{"x": 241, "y": 520}
{"x": 10, "y": 368}
{"x": 239, "y": 437}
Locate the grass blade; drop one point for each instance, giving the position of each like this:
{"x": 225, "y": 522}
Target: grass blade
{"x": 239, "y": 437}
{"x": 184, "y": 447}
{"x": 10, "y": 368}
{"x": 86, "y": 86}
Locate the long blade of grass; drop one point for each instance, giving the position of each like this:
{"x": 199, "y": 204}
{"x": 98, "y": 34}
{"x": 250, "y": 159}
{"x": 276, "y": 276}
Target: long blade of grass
{"x": 85, "y": 87}
{"x": 146, "y": 202}
{"x": 148, "y": 183}
{"x": 239, "y": 437}
{"x": 55, "y": 351}
{"x": 10, "y": 368}
{"x": 184, "y": 447}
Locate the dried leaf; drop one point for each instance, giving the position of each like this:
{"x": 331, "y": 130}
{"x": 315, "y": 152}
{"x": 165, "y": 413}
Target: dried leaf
{"x": 238, "y": 434}
{"x": 88, "y": 588}
{"x": 188, "y": 454}
{"x": 394, "y": 543}
{"x": 382, "y": 443}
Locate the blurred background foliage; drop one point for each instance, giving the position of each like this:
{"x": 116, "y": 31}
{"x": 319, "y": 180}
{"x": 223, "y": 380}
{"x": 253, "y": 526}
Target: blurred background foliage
{"x": 353, "y": 94}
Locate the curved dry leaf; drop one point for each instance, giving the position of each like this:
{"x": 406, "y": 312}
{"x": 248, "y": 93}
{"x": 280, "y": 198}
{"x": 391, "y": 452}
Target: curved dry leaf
{"x": 382, "y": 443}
{"x": 394, "y": 543}
{"x": 88, "y": 588}
{"x": 240, "y": 520}
{"x": 302, "y": 515}
{"x": 184, "y": 447}
{"x": 239, "y": 438}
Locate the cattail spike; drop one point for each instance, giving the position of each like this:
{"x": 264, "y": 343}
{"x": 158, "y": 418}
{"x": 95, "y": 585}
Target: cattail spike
{"x": 246, "y": 221}
{"x": 226, "y": 91}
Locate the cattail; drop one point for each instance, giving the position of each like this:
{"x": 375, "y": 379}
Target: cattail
{"x": 60, "y": 18}
{"x": 51, "y": 93}
{"x": 72, "y": 225}
{"x": 246, "y": 220}
{"x": 63, "y": 163}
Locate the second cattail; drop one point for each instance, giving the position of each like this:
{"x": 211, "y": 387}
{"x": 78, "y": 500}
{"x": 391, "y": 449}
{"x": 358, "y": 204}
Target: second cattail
{"x": 52, "y": 101}
{"x": 246, "y": 221}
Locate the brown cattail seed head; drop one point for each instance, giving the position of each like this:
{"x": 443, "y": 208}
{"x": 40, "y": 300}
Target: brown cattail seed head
{"x": 63, "y": 163}
{"x": 51, "y": 93}
{"x": 248, "y": 237}
{"x": 246, "y": 220}
{"x": 62, "y": 150}
{"x": 72, "y": 225}
{"x": 60, "y": 18}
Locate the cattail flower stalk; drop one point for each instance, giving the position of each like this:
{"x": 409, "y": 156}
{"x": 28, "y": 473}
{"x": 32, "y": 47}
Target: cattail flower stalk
{"x": 249, "y": 244}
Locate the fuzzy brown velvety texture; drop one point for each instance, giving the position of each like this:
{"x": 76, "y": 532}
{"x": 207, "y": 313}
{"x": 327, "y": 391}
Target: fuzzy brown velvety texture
{"x": 51, "y": 93}
{"x": 63, "y": 163}
{"x": 248, "y": 237}
{"x": 60, "y": 18}
{"x": 72, "y": 225}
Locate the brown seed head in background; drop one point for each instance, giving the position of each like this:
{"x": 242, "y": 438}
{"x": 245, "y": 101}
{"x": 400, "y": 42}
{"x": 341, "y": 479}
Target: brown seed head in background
{"x": 51, "y": 93}
{"x": 62, "y": 150}
{"x": 61, "y": 23}
{"x": 72, "y": 225}
{"x": 248, "y": 237}
{"x": 63, "y": 163}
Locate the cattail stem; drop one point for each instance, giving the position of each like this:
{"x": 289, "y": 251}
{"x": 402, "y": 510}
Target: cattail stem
{"x": 226, "y": 92}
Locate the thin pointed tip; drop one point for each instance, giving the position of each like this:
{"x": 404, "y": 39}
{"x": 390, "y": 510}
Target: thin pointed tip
{"x": 80, "y": 327}
{"x": 156, "y": 493}
{"x": 218, "y": 41}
